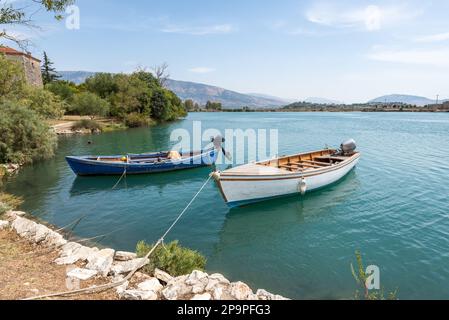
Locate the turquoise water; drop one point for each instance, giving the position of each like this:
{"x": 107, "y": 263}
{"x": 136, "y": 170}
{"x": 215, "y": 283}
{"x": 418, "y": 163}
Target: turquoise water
{"x": 393, "y": 207}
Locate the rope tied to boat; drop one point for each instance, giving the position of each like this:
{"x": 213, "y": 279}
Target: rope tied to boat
{"x": 130, "y": 274}
{"x": 121, "y": 178}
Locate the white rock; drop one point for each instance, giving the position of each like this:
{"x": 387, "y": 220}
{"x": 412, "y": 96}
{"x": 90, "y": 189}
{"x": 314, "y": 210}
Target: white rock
{"x": 205, "y": 296}
{"x": 139, "y": 295}
{"x": 127, "y": 266}
{"x": 73, "y": 252}
{"x": 216, "y": 279}
{"x": 14, "y": 214}
{"x": 152, "y": 284}
{"x": 162, "y": 275}
{"x": 82, "y": 274}
{"x": 101, "y": 261}
{"x": 4, "y": 224}
{"x": 125, "y": 256}
{"x": 221, "y": 292}
{"x": 240, "y": 290}
{"x": 121, "y": 288}
{"x": 55, "y": 239}
{"x": 41, "y": 233}
{"x": 24, "y": 227}
{"x": 265, "y": 295}
{"x": 177, "y": 289}
{"x": 198, "y": 280}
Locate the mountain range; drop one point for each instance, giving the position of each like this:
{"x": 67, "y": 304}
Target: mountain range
{"x": 407, "y": 99}
{"x": 201, "y": 93}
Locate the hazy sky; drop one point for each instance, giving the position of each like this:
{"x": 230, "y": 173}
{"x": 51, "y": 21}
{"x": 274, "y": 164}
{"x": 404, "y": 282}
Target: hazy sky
{"x": 345, "y": 50}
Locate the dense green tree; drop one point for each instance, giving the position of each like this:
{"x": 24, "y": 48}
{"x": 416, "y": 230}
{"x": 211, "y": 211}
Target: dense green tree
{"x": 159, "y": 104}
{"x": 63, "y": 89}
{"x": 102, "y": 84}
{"x": 189, "y": 104}
{"x": 213, "y": 106}
{"x": 24, "y": 136}
{"x": 88, "y": 104}
{"x": 49, "y": 73}
{"x": 45, "y": 103}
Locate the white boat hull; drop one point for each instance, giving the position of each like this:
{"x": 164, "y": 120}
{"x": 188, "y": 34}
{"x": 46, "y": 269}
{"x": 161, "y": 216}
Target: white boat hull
{"x": 241, "y": 190}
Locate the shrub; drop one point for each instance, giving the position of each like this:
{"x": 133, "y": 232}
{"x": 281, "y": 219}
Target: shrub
{"x": 91, "y": 125}
{"x": 135, "y": 120}
{"x": 88, "y": 104}
{"x": 10, "y": 200}
{"x": 45, "y": 103}
{"x": 24, "y": 136}
{"x": 172, "y": 258}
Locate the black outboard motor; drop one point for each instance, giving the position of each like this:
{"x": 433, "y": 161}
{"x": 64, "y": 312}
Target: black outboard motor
{"x": 348, "y": 147}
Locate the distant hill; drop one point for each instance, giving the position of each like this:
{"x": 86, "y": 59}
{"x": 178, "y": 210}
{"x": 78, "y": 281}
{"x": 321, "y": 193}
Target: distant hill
{"x": 200, "y": 93}
{"x": 402, "y": 98}
{"x": 322, "y": 101}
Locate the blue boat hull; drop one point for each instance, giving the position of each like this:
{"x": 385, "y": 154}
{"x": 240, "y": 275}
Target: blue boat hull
{"x": 86, "y": 166}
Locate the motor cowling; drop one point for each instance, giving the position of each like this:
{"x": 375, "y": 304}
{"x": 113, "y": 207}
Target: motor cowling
{"x": 348, "y": 147}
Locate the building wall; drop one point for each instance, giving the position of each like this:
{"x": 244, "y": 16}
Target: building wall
{"x": 31, "y": 67}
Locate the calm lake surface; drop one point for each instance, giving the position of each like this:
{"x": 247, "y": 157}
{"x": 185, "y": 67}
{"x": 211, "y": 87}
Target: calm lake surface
{"x": 393, "y": 207}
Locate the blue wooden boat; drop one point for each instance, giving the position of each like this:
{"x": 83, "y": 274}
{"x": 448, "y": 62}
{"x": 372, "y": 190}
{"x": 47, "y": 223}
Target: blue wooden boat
{"x": 142, "y": 163}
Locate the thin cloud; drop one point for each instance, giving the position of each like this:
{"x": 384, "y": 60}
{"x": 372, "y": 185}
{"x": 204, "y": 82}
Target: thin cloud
{"x": 200, "y": 30}
{"x": 369, "y": 18}
{"x": 202, "y": 70}
{"x": 436, "y": 58}
{"x": 433, "y": 37}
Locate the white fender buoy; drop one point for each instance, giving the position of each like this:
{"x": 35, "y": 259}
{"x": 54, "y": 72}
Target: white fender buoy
{"x": 302, "y": 186}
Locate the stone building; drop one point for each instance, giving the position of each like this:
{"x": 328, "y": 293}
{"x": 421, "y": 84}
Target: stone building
{"x": 31, "y": 65}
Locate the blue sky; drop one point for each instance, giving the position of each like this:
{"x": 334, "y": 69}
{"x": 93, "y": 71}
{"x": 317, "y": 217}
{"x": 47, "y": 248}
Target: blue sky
{"x": 344, "y": 50}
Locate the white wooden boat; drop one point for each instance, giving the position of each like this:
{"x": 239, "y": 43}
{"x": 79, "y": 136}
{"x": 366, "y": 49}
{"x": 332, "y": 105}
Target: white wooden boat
{"x": 287, "y": 175}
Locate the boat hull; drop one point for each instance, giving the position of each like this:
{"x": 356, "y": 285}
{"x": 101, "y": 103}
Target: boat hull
{"x": 85, "y": 166}
{"x": 242, "y": 190}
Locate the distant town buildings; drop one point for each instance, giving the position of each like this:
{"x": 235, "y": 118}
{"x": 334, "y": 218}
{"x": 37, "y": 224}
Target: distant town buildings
{"x": 31, "y": 65}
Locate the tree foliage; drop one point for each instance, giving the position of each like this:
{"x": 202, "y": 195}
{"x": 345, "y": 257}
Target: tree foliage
{"x": 24, "y": 136}
{"x": 18, "y": 13}
{"x": 88, "y": 104}
{"x": 44, "y": 102}
{"x": 65, "y": 90}
{"x": 49, "y": 73}
{"x": 213, "y": 106}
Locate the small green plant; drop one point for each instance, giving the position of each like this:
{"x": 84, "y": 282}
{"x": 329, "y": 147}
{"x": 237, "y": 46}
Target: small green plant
{"x": 172, "y": 258}
{"x": 88, "y": 124}
{"x": 361, "y": 277}
{"x": 11, "y": 200}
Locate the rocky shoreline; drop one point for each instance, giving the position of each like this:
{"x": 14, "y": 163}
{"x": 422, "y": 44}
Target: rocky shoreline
{"x": 86, "y": 263}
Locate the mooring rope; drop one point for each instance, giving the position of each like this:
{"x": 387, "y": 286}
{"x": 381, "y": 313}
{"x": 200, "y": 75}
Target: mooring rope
{"x": 129, "y": 276}
{"x": 119, "y": 180}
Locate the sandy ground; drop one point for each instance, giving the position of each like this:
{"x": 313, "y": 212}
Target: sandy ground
{"x": 26, "y": 271}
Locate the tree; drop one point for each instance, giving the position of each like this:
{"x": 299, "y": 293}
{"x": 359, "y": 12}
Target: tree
{"x": 89, "y": 104}
{"x": 44, "y": 102}
{"x": 12, "y": 14}
{"x": 63, "y": 89}
{"x": 161, "y": 73}
{"x": 213, "y": 105}
{"x": 49, "y": 73}
{"x": 189, "y": 105}
{"x": 102, "y": 84}
{"x": 159, "y": 105}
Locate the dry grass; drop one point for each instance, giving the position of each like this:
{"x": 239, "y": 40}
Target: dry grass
{"x": 27, "y": 270}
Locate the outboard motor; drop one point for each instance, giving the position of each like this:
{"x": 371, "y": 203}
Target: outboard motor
{"x": 348, "y": 147}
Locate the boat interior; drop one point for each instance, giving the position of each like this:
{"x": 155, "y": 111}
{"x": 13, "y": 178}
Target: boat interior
{"x": 147, "y": 158}
{"x": 308, "y": 161}
{"x": 302, "y": 162}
